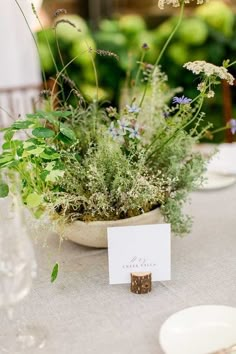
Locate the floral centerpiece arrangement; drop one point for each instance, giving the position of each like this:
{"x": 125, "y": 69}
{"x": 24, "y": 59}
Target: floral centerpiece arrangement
{"x": 91, "y": 161}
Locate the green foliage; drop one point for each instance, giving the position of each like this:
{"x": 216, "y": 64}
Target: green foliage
{"x": 39, "y": 157}
{"x": 219, "y": 16}
{"x": 68, "y": 40}
{"x": 4, "y": 190}
{"x": 85, "y": 160}
{"x": 91, "y": 163}
{"x": 54, "y": 273}
{"x": 198, "y": 34}
{"x": 205, "y": 34}
{"x": 109, "y": 185}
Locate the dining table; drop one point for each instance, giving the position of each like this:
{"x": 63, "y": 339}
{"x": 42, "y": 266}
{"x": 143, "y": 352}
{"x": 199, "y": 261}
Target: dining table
{"x": 80, "y": 313}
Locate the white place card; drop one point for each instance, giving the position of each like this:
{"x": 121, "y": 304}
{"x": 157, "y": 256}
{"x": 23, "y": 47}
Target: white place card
{"x": 144, "y": 248}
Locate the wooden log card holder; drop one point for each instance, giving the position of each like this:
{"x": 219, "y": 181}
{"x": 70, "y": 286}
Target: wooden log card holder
{"x": 141, "y": 283}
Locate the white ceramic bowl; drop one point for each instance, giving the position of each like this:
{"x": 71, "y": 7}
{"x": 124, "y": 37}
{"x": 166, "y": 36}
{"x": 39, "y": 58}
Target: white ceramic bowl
{"x": 199, "y": 330}
{"x": 94, "y": 233}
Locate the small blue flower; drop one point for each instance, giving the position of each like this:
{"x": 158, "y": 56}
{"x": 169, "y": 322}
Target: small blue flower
{"x": 112, "y": 130}
{"x": 181, "y": 100}
{"x": 119, "y": 136}
{"x": 135, "y": 132}
{"x": 116, "y": 134}
{"x": 133, "y": 108}
{"x": 123, "y": 124}
{"x": 232, "y": 123}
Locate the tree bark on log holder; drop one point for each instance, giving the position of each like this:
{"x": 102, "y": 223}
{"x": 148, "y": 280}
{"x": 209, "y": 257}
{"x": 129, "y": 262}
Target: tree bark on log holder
{"x": 141, "y": 283}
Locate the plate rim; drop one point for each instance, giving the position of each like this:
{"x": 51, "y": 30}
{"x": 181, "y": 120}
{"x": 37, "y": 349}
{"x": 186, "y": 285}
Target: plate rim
{"x": 226, "y": 181}
{"x": 186, "y": 309}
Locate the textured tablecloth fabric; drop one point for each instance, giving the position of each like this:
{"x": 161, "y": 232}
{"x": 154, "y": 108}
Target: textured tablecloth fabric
{"x": 82, "y": 314}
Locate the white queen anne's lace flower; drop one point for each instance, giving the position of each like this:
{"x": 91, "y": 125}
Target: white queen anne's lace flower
{"x": 208, "y": 69}
{"x": 210, "y": 94}
{"x": 176, "y": 3}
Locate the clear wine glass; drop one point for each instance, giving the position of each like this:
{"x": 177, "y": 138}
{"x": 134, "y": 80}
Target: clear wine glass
{"x": 17, "y": 270}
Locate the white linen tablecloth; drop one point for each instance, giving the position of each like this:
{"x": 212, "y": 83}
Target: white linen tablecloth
{"x": 82, "y": 314}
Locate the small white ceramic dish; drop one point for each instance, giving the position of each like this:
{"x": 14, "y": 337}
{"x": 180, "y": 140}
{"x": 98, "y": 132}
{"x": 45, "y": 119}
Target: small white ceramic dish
{"x": 224, "y": 161}
{"x": 199, "y": 330}
{"x": 217, "y": 181}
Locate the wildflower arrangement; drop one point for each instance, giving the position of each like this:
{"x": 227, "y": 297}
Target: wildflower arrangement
{"x": 92, "y": 161}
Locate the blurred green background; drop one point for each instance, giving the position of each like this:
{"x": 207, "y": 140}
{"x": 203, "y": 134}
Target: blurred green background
{"x": 207, "y": 33}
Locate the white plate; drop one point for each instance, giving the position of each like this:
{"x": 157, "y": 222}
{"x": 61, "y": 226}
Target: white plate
{"x": 217, "y": 181}
{"x": 199, "y": 330}
{"x": 224, "y": 161}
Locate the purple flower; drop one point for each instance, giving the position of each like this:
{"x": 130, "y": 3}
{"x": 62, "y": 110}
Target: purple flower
{"x": 181, "y": 100}
{"x": 232, "y": 124}
{"x": 133, "y": 108}
{"x": 145, "y": 46}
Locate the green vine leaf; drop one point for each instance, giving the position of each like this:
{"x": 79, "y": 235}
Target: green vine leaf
{"x": 5, "y": 158}
{"x": 22, "y": 124}
{"x": 69, "y": 133}
{"x": 50, "y": 166}
{"x": 4, "y": 190}
{"x": 64, "y": 139}
{"x": 33, "y": 200}
{"x": 8, "y": 135}
{"x": 43, "y": 133}
{"x": 54, "y": 272}
{"x": 54, "y": 175}
{"x": 36, "y": 150}
{"x": 13, "y": 144}
{"x": 50, "y": 154}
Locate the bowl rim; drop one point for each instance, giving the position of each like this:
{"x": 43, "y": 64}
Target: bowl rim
{"x": 118, "y": 221}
